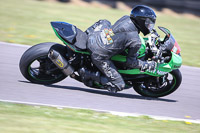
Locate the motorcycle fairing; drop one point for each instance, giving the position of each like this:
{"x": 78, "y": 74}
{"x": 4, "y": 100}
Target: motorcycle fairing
{"x": 161, "y": 69}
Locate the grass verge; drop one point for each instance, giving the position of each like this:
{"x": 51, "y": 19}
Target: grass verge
{"x": 18, "y": 118}
{"x": 27, "y": 22}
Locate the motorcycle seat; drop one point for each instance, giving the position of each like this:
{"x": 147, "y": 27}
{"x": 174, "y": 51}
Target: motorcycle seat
{"x": 71, "y": 34}
{"x": 81, "y": 40}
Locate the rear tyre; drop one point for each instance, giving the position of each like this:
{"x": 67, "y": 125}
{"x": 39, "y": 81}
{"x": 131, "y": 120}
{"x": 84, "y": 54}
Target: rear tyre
{"x": 36, "y": 67}
{"x": 167, "y": 85}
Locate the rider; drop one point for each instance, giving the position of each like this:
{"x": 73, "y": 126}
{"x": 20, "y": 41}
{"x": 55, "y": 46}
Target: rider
{"x": 106, "y": 40}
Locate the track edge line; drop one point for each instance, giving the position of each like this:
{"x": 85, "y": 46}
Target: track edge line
{"x": 105, "y": 111}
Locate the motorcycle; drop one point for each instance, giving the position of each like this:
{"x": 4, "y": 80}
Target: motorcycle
{"x": 50, "y": 62}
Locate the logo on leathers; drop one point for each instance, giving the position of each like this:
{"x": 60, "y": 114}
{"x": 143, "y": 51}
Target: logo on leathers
{"x": 106, "y": 35}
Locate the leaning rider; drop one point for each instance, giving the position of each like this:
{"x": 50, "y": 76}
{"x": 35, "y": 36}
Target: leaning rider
{"x": 106, "y": 40}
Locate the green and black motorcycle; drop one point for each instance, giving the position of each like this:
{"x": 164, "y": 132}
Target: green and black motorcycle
{"x": 49, "y": 62}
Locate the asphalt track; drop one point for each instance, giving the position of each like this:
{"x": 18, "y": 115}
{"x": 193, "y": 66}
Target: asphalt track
{"x": 183, "y": 104}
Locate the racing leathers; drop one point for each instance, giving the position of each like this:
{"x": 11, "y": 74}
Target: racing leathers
{"x": 106, "y": 40}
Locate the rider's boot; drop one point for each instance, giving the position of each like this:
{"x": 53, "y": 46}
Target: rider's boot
{"x": 111, "y": 88}
{"x": 88, "y": 77}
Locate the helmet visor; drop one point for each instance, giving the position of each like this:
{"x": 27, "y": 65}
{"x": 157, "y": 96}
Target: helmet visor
{"x": 149, "y": 24}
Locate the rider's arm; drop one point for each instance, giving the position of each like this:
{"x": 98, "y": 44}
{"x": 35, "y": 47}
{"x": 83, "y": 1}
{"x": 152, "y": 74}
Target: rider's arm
{"x": 133, "y": 62}
{"x": 134, "y": 45}
{"x": 131, "y": 59}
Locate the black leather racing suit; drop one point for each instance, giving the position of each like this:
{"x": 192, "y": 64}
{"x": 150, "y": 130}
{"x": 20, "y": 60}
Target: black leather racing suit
{"x": 106, "y": 40}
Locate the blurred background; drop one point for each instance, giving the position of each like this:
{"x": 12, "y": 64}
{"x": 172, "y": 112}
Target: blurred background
{"x": 28, "y": 21}
{"x": 179, "y": 6}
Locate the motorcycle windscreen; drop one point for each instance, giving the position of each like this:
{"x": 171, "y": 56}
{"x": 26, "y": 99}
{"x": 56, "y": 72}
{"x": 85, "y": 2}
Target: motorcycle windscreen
{"x": 172, "y": 45}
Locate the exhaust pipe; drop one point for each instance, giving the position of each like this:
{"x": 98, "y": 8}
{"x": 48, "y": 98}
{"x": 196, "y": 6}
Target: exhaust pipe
{"x": 60, "y": 62}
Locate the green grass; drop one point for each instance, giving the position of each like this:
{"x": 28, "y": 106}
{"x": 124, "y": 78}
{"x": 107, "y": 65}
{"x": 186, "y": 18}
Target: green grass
{"x": 18, "y": 118}
{"x": 27, "y": 22}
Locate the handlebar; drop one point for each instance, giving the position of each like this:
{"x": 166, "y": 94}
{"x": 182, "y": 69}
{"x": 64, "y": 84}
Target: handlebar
{"x": 153, "y": 38}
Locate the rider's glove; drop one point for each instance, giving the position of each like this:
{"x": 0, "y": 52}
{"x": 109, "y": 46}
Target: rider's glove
{"x": 148, "y": 66}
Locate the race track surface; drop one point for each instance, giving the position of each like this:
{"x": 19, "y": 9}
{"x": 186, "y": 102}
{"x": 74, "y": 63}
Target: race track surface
{"x": 183, "y": 103}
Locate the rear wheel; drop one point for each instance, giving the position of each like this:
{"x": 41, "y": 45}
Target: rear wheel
{"x": 159, "y": 86}
{"x": 36, "y": 67}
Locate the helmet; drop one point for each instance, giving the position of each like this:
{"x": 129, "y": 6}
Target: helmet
{"x": 144, "y": 18}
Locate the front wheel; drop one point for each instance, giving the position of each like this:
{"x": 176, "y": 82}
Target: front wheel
{"x": 159, "y": 86}
{"x": 36, "y": 67}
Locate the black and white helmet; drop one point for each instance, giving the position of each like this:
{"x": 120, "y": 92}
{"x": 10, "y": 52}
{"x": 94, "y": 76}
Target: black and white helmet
{"x": 144, "y": 18}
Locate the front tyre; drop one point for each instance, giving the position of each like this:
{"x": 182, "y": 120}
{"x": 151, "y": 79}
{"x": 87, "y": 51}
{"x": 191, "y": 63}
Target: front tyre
{"x": 159, "y": 86}
{"x": 36, "y": 67}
